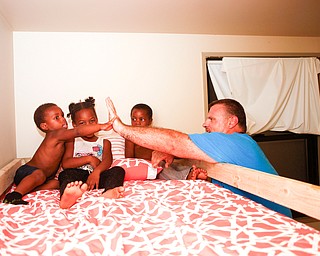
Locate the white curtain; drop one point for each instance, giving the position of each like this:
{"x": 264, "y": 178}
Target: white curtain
{"x": 278, "y": 94}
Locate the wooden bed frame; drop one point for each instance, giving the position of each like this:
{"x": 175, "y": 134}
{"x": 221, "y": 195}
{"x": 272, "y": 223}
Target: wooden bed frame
{"x": 296, "y": 195}
{"x": 7, "y": 174}
{"x": 299, "y": 196}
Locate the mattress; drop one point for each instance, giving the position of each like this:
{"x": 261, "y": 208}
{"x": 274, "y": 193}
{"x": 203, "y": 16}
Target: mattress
{"x": 174, "y": 217}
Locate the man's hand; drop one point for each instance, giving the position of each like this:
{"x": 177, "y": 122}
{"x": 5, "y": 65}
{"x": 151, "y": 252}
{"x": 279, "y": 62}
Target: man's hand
{"x": 158, "y": 156}
{"x": 113, "y": 117}
{"x": 111, "y": 109}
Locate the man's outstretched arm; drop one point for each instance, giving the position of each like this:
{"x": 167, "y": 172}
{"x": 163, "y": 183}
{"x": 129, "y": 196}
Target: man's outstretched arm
{"x": 161, "y": 139}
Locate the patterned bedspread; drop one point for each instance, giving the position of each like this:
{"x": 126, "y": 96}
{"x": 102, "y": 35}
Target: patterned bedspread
{"x": 154, "y": 218}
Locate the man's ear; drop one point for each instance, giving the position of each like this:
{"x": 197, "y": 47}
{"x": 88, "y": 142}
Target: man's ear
{"x": 233, "y": 121}
{"x": 44, "y": 126}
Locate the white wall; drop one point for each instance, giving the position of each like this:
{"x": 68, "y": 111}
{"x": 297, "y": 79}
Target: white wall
{"x": 162, "y": 70}
{"x": 7, "y": 112}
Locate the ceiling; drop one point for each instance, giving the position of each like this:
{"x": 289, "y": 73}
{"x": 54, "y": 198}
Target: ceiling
{"x": 216, "y": 17}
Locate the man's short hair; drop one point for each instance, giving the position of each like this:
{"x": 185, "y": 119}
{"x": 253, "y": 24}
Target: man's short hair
{"x": 234, "y": 108}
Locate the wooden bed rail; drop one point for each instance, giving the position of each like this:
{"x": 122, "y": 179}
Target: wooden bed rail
{"x": 299, "y": 196}
{"x": 7, "y": 173}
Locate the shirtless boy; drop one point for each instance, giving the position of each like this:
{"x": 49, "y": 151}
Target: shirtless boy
{"x": 41, "y": 169}
{"x": 141, "y": 115}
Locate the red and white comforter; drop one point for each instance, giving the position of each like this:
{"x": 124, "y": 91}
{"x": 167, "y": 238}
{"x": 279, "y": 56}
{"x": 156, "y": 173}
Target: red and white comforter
{"x": 154, "y": 218}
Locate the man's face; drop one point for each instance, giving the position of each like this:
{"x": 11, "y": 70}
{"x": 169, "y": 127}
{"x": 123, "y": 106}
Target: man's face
{"x": 217, "y": 119}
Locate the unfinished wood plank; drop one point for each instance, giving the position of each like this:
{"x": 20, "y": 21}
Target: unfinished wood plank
{"x": 297, "y": 195}
{"x": 7, "y": 173}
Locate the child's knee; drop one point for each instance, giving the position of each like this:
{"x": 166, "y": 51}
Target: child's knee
{"x": 119, "y": 170}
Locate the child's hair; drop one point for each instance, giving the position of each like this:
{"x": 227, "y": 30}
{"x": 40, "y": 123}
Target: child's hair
{"x": 75, "y": 107}
{"x": 38, "y": 116}
{"x": 143, "y": 107}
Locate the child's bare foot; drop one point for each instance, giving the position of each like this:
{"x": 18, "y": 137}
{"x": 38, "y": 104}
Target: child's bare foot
{"x": 197, "y": 173}
{"x": 203, "y": 175}
{"x": 113, "y": 193}
{"x": 73, "y": 191}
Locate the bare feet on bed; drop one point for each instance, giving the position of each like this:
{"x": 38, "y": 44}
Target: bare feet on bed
{"x": 113, "y": 193}
{"x": 73, "y": 191}
{"x": 197, "y": 173}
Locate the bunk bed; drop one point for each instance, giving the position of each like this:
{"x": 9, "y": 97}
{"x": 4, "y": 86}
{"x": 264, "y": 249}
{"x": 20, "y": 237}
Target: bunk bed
{"x": 156, "y": 217}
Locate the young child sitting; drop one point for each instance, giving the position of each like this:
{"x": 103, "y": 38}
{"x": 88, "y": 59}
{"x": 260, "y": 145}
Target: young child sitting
{"x": 41, "y": 169}
{"x": 87, "y": 160}
{"x": 141, "y": 115}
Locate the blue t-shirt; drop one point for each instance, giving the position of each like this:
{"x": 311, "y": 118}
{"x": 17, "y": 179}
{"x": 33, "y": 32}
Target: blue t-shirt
{"x": 239, "y": 149}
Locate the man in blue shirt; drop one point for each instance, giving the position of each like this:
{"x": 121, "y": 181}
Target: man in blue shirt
{"x": 225, "y": 141}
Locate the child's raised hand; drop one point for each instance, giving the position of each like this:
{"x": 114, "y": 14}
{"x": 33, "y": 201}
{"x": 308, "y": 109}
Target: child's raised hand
{"x": 107, "y": 126}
